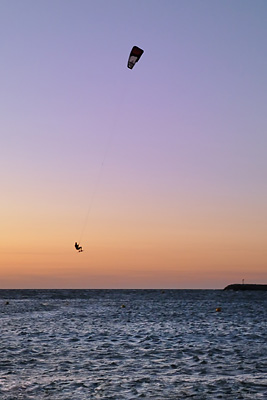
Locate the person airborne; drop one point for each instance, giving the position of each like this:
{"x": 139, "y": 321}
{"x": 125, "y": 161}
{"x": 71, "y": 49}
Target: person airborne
{"x": 78, "y": 247}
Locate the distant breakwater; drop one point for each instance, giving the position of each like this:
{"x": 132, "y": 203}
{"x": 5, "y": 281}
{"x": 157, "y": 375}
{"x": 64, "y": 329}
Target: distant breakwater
{"x": 244, "y": 286}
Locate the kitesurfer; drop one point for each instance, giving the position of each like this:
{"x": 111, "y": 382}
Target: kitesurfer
{"x": 78, "y": 247}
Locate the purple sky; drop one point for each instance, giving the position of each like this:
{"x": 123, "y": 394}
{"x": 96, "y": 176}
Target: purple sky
{"x": 182, "y": 137}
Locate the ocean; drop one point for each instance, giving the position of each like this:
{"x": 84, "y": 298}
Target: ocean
{"x": 133, "y": 344}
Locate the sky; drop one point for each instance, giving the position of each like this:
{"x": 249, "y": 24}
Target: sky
{"x": 159, "y": 172}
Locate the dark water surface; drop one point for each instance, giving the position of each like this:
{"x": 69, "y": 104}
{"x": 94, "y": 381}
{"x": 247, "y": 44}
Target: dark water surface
{"x": 132, "y": 344}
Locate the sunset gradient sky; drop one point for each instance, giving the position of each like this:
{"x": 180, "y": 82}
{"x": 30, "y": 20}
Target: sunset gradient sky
{"x": 159, "y": 171}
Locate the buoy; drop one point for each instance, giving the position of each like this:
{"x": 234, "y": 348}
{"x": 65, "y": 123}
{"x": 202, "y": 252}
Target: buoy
{"x": 218, "y": 309}
{"x": 7, "y": 302}
{"x": 123, "y": 306}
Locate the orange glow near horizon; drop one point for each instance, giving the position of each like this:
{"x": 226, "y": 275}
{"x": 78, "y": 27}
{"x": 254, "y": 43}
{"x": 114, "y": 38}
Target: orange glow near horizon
{"x": 147, "y": 260}
{"x": 132, "y": 250}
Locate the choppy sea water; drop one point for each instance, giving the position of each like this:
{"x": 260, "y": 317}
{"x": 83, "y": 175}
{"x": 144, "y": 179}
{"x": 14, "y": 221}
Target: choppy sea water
{"x": 132, "y": 344}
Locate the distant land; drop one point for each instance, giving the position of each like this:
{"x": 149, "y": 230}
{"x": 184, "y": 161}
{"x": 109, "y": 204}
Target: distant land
{"x": 243, "y": 286}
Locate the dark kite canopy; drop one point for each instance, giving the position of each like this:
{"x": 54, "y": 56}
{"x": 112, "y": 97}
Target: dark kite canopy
{"x": 134, "y": 56}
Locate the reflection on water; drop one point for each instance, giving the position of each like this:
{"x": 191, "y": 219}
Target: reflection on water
{"x": 130, "y": 344}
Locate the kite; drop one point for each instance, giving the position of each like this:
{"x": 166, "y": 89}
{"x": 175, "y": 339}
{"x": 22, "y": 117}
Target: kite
{"x": 134, "y": 56}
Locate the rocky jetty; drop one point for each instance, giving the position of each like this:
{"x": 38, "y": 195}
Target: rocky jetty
{"x": 243, "y": 286}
